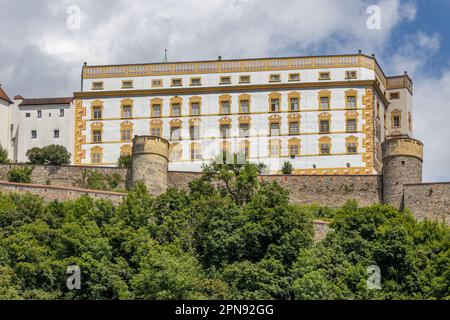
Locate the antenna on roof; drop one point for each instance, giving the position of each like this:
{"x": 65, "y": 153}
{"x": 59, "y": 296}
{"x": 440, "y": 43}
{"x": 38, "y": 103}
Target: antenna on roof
{"x": 165, "y": 56}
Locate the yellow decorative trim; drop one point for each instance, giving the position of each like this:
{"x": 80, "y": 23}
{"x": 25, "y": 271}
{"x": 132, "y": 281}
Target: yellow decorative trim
{"x": 325, "y": 141}
{"x": 174, "y": 101}
{"x": 351, "y": 93}
{"x": 225, "y": 120}
{"x": 127, "y": 84}
{"x": 126, "y": 103}
{"x": 274, "y": 96}
{"x": 125, "y": 150}
{"x": 294, "y": 142}
{"x": 291, "y": 96}
{"x": 96, "y": 126}
{"x": 368, "y": 128}
{"x": 197, "y": 80}
{"x": 351, "y": 140}
{"x": 222, "y": 99}
{"x": 96, "y": 151}
{"x": 155, "y": 102}
{"x": 126, "y": 126}
{"x": 245, "y": 97}
{"x": 192, "y": 100}
{"x": 80, "y": 125}
{"x": 324, "y": 94}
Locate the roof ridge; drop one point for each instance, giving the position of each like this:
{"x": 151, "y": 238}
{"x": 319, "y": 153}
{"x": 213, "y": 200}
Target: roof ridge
{"x": 4, "y": 96}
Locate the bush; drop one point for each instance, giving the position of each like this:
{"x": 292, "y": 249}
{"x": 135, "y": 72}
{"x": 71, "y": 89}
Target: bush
{"x": 98, "y": 181}
{"x": 20, "y": 175}
{"x": 3, "y": 156}
{"x": 287, "y": 168}
{"x": 125, "y": 162}
{"x": 53, "y": 155}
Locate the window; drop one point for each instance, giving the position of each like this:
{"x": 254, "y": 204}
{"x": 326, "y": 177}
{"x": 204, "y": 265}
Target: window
{"x": 245, "y": 106}
{"x": 225, "y": 107}
{"x": 275, "y": 105}
{"x": 324, "y": 126}
{"x": 324, "y": 76}
{"x": 125, "y": 150}
{"x": 244, "y": 130}
{"x": 396, "y": 121}
{"x": 350, "y": 75}
{"x": 127, "y": 111}
{"x": 156, "y": 110}
{"x": 351, "y": 125}
{"x": 177, "y": 82}
{"x": 176, "y": 109}
{"x": 274, "y": 148}
{"x": 195, "y": 108}
{"x": 394, "y": 95}
{"x": 244, "y": 149}
{"x": 97, "y": 85}
{"x": 294, "y": 77}
{"x": 194, "y": 131}
{"x": 175, "y": 152}
{"x": 244, "y": 79}
{"x": 225, "y": 80}
{"x": 97, "y": 136}
{"x": 39, "y": 113}
{"x": 96, "y": 155}
{"x": 61, "y": 113}
{"x": 294, "y": 104}
{"x": 127, "y": 84}
{"x": 97, "y": 112}
{"x": 125, "y": 134}
{"x": 324, "y": 103}
{"x": 275, "y": 129}
{"x": 27, "y": 115}
{"x": 351, "y": 102}
{"x": 156, "y": 131}
{"x": 56, "y": 134}
{"x": 274, "y": 78}
{"x": 294, "y": 127}
{"x": 196, "y": 81}
{"x": 175, "y": 133}
{"x": 410, "y": 121}
{"x": 96, "y": 158}
{"x": 196, "y": 152}
{"x": 33, "y": 134}
{"x": 224, "y": 130}
{"x": 294, "y": 148}
{"x": 352, "y": 146}
{"x": 324, "y": 148}
{"x": 157, "y": 83}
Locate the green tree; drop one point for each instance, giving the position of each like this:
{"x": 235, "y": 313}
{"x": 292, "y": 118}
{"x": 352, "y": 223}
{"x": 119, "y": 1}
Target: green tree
{"x": 20, "y": 174}
{"x": 3, "y": 156}
{"x": 52, "y": 155}
{"x": 287, "y": 168}
{"x": 125, "y": 162}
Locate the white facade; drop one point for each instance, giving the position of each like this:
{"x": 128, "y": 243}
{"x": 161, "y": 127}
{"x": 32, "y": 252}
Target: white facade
{"x": 338, "y": 150}
{"x": 39, "y": 123}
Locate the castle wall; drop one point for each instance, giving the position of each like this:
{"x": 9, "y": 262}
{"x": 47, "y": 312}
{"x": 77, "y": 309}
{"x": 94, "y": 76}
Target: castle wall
{"x": 428, "y": 201}
{"x": 50, "y": 193}
{"x": 180, "y": 179}
{"x": 331, "y": 191}
{"x": 64, "y": 176}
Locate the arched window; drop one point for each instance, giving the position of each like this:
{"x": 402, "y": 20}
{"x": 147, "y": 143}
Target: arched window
{"x": 196, "y": 152}
{"x": 294, "y": 148}
{"x": 125, "y": 150}
{"x": 275, "y": 148}
{"x": 126, "y": 131}
{"x": 96, "y": 155}
{"x": 175, "y": 152}
{"x": 324, "y": 100}
{"x": 351, "y": 145}
{"x": 324, "y": 146}
{"x": 126, "y": 108}
{"x": 156, "y": 128}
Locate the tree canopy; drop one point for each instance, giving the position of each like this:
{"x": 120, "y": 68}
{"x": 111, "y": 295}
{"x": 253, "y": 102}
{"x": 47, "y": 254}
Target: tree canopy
{"x": 229, "y": 236}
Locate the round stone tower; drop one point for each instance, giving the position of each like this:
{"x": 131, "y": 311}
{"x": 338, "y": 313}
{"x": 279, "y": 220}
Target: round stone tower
{"x": 402, "y": 164}
{"x": 150, "y": 163}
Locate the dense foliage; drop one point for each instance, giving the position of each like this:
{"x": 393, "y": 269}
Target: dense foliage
{"x": 99, "y": 181}
{"x": 125, "y": 161}
{"x": 287, "y": 168}
{"x": 52, "y": 155}
{"x": 229, "y": 237}
{"x": 20, "y": 174}
{"x": 3, "y": 156}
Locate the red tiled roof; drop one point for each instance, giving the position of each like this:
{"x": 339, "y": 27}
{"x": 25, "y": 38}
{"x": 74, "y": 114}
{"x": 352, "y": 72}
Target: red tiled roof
{"x": 4, "y": 96}
{"x": 45, "y": 101}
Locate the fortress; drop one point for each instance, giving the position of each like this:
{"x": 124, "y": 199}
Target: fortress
{"x": 345, "y": 127}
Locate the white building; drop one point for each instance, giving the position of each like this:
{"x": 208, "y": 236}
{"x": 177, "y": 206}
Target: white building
{"x": 326, "y": 115}
{"x": 39, "y": 123}
{"x": 5, "y": 103}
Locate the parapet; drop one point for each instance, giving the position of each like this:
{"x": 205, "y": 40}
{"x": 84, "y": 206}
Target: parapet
{"x": 151, "y": 145}
{"x": 402, "y": 147}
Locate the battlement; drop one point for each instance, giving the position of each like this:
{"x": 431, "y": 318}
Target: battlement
{"x": 151, "y": 145}
{"x": 402, "y": 147}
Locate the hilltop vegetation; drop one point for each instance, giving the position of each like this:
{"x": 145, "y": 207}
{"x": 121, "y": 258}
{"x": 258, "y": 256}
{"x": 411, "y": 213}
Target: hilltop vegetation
{"x": 236, "y": 239}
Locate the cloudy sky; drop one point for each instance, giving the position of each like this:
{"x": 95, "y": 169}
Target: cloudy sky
{"x": 43, "y": 45}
